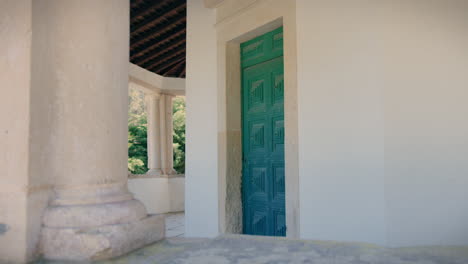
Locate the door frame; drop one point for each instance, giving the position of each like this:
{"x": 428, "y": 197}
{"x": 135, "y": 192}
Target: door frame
{"x": 229, "y": 37}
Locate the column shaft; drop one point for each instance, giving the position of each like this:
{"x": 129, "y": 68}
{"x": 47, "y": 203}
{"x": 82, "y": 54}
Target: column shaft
{"x": 169, "y": 135}
{"x": 154, "y": 138}
{"x": 166, "y": 127}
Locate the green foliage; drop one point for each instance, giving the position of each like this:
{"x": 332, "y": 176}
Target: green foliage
{"x": 136, "y": 165}
{"x": 179, "y": 134}
{"x": 137, "y": 133}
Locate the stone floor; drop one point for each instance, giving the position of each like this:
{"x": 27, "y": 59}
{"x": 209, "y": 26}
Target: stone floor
{"x": 175, "y": 225}
{"x": 237, "y": 249}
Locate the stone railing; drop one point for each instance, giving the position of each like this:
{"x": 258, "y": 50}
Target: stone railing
{"x": 160, "y": 194}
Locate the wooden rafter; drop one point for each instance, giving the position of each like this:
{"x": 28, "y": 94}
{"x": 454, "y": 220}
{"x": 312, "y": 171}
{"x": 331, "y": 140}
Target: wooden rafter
{"x": 174, "y": 68}
{"x": 154, "y": 46}
{"x": 148, "y": 10}
{"x": 155, "y": 62}
{"x": 175, "y": 23}
{"x": 158, "y": 36}
{"x": 151, "y": 21}
{"x": 182, "y": 73}
{"x": 136, "y": 3}
{"x": 170, "y": 47}
{"x": 162, "y": 66}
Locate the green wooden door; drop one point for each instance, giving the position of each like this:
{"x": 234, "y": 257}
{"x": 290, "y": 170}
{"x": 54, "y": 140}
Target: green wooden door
{"x": 263, "y": 181}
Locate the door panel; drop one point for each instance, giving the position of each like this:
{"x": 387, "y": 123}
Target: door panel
{"x": 263, "y": 179}
{"x": 262, "y": 48}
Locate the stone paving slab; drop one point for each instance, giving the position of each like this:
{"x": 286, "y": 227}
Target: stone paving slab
{"x": 236, "y": 249}
{"x": 175, "y": 225}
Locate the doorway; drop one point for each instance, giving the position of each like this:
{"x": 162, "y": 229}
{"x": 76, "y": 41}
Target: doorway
{"x": 263, "y": 173}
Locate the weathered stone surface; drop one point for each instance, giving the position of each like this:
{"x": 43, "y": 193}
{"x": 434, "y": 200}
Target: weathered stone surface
{"x": 92, "y": 194}
{"x": 95, "y": 214}
{"x": 103, "y": 242}
{"x": 235, "y": 249}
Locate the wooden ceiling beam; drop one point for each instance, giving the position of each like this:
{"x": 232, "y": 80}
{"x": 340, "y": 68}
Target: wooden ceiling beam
{"x": 136, "y": 3}
{"x": 148, "y": 10}
{"x": 182, "y": 73}
{"x": 158, "y": 67}
{"x": 171, "y": 47}
{"x": 151, "y": 21}
{"x": 174, "y": 68}
{"x": 157, "y": 32}
{"x": 158, "y": 36}
{"x": 164, "y": 67}
{"x": 154, "y": 46}
{"x": 156, "y": 62}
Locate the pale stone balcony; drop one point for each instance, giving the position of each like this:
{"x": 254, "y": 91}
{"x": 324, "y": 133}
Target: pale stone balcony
{"x": 161, "y": 189}
{"x": 160, "y": 194}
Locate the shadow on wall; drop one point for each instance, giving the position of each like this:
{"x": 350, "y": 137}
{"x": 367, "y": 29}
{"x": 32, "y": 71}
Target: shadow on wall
{"x": 3, "y": 229}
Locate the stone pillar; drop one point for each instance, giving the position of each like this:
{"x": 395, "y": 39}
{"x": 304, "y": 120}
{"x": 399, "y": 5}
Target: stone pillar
{"x": 154, "y": 135}
{"x": 92, "y": 215}
{"x": 170, "y": 134}
{"x": 166, "y": 127}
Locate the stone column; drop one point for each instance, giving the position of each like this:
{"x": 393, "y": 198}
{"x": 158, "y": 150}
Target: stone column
{"x": 91, "y": 215}
{"x": 170, "y": 134}
{"x": 154, "y": 137}
{"x": 166, "y": 127}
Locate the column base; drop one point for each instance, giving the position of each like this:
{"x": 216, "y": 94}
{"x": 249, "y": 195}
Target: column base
{"x": 170, "y": 172}
{"x": 101, "y": 242}
{"x": 96, "y": 222}
{"x": 154, "y": 172}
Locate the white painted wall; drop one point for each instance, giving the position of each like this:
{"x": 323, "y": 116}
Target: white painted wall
{"x": 426, "y": 122}
{"x": 25, "y": 126}
{"x": 15, "y": 77}
{"x": 201, "y": 212}
{"x": 176, "y": 187}
{"x": 383, "y": 121}
{"x": 152, "y": 82}
{"x": 382, "y": 113}
{"x": 341, "y": 151}
{"x": 160, "y": 195}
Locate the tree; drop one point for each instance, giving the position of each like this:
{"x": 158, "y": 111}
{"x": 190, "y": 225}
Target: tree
{"x": 137, "y": 133}
{"x": 178, "y": 111}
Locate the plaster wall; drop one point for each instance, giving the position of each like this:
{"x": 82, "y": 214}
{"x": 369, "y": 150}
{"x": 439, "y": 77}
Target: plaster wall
{"x": 160, "y": 195}
{"x": 176, "y": 193}
{"x": 15, "y": 59}
{"x": 426, "y": 122}
{"x": 341, "y": 128}
{"x": 152, "y": 82}
{"x": 24, "y": 181}
{"x": 152, "y": 192}
{"x": 383, "y": 121}
{"x": 201, "y": 213}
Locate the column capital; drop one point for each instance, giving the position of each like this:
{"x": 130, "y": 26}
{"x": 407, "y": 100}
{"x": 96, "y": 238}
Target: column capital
{"x": 153, "y": 95}
{"x": 168, "y": 94}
